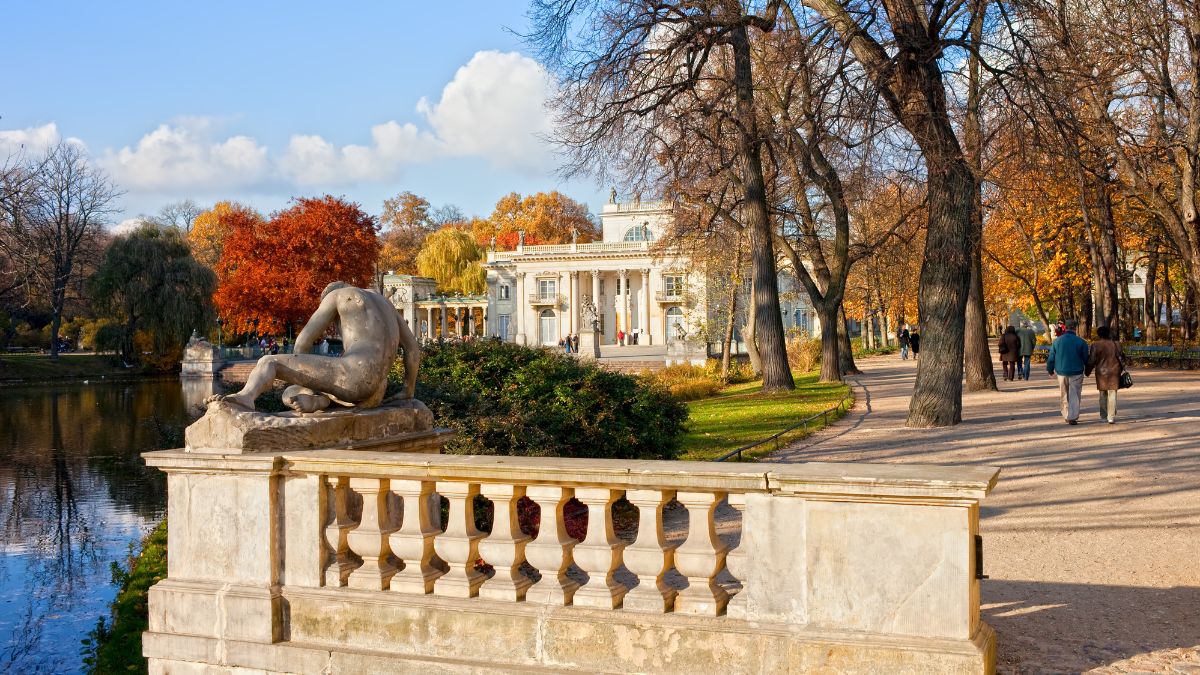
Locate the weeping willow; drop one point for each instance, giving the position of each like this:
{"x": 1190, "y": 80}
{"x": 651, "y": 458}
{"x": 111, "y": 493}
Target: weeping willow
{"x": 150, "y": 282}
{"x": 452, "y": 258}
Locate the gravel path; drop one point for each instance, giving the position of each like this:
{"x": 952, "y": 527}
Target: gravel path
{"x": 1092, "y": 535}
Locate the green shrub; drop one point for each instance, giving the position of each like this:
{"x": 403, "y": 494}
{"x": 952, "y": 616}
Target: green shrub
{"x": 505, "y": 399}
{"x": 740, "y": 370}
{"x": 116, "y": 646}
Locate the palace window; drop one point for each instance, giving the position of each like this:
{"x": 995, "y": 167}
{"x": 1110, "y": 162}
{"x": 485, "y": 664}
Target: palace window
{"x": 546, "y": 288}
{"x": 504, "y": 291}
{"x": 673, "y": 285}
{"x": 639, "y": 233}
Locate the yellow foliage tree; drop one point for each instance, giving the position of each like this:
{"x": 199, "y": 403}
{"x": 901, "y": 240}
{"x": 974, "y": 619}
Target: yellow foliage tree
{"x": 452, "y": 258}
{"x": 546, "y": 218}
{"x": 211, "y": 227}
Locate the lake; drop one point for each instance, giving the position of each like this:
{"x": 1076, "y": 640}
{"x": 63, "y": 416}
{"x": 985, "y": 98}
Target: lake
{"x": 75, "y": 497}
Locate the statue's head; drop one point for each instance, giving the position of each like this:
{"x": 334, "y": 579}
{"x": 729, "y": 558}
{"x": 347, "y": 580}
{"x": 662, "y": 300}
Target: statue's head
{"x": 333, "y": 286}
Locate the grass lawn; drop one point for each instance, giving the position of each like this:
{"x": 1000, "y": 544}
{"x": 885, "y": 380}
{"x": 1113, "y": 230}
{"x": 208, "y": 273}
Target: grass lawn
{"x": 741, "y": 414}
{"x": 41, "y": 366}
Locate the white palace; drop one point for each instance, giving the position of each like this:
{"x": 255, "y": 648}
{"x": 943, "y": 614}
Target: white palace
{"x": 535, "y": 294}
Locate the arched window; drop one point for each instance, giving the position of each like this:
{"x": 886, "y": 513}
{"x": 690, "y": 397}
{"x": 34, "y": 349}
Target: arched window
{"x": 504, "y": 291}
{"x": 547, "y": 327}
{"x": 674, "y": 318}
{"x": 639, "y": 233}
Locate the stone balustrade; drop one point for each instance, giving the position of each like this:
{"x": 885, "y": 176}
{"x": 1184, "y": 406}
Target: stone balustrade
{"x": 360, "y": 561}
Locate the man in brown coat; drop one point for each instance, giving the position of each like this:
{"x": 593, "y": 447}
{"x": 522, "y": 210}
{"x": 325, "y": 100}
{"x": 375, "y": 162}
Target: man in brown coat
{"x": 1107, "y": 360}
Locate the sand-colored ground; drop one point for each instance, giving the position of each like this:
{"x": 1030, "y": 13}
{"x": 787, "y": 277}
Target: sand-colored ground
{"x": 1092, "y": 536}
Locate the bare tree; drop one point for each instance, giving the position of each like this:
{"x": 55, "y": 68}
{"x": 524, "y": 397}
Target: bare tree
{"x": 56, "y": 218}
{"x": 627, "y": 66}
{"x": 179, "y": 215}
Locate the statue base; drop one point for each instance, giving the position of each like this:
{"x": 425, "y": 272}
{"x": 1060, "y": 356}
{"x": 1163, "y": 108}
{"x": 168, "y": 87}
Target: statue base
{"x": 687, "y": 352}
{"x": 589, "y": 344}
{"x": 402, "y": 426}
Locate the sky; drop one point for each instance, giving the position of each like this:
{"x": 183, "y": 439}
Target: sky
{"x": 264, "y": 101}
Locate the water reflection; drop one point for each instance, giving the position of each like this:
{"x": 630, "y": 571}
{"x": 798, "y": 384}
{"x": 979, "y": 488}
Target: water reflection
{"x": 74, "y": 494}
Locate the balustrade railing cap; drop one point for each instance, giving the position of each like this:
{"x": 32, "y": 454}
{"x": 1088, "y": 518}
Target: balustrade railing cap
{"x": 883, "y": 480}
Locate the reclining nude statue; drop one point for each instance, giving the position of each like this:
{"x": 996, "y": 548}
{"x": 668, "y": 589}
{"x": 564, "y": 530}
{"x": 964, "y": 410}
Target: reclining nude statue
{"x": 371, "y": 329}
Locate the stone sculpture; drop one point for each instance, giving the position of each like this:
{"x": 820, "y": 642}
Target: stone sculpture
{"x": 371, "y": 331}
{"x": 587, "y": 311}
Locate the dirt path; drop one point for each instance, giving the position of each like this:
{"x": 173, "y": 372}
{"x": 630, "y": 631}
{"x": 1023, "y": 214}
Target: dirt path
{"x": 1092, "y": 536}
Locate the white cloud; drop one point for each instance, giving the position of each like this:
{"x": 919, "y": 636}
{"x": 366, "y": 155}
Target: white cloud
{"x": 312, "y": 160}
{"x": 495, "y": 108}
{"x": 185, "y": 156}
{"x": 31, "y": 140}
{"x": 126, "y": 226}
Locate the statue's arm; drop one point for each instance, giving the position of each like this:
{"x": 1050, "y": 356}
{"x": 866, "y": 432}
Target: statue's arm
{"x": 317, "y": 324}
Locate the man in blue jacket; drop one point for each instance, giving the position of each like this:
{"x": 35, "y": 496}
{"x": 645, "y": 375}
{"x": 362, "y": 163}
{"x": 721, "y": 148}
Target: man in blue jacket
{"x": 1068, "y": 359}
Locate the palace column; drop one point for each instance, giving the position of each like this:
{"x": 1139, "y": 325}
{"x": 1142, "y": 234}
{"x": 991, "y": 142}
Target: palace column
{"x": 596, "y": 297}
{"x": 564, "y": 285}
{"x": 519, "y": 306}
{"x": 574, "y": 302}
{"x": 623, "y": 300}
{"x": 645, "y": 323}
{"x": 429, "y": 323}
{"x": 445, "y": 327}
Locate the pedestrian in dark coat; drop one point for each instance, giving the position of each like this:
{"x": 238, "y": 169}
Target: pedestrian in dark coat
{"x": 914, "y": 341}
{"x": 1107, "y": 360}
{"x": 1010, "y": 352}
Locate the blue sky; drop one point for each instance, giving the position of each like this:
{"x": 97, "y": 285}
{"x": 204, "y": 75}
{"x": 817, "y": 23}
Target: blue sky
{"x": 262, "y": 101}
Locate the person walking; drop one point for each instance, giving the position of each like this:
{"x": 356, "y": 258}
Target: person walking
{"x": 914, "y": 341}
{"x": 904, "y": 342}
{"x": 1107, "y": 360}
{"x": 1067, "y": 360}
{"x": 621, "y": 337}
{"x": 1028, "y": 342}
{"x": 1010, "y": 352}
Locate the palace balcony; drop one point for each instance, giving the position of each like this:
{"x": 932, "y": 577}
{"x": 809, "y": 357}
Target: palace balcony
{"x": 549, "y": 300}
{"x": 668, "y": 297}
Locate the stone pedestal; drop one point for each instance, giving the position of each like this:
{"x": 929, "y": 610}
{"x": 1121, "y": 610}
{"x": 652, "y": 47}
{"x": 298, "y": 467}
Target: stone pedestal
{"x": 200, "y": 359}
{"x": 589, "y": 344}
{"x": 688, "y": 351}
{"x": 226, "y": 429}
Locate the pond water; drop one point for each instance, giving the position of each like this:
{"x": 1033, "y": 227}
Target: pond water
{"x": 74, "y": 498}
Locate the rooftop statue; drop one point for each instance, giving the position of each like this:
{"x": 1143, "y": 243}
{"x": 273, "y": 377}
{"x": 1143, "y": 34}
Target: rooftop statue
{"x": 371, "y": 330}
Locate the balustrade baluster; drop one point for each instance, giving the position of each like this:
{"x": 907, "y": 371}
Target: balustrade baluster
{"x": 701, "y": 556}
{"x": 340, "y": 563}
{"x": 736, "y": 561}
{"x": 458, "y": 546}
{"x": 600, "y": 553}
{"x": 370, "y": 539}
{"x": 649, "y": 557}
{"x": 551, "y": 552}
{"x": 504, "y": 548}
{"x": 413, "y": 542}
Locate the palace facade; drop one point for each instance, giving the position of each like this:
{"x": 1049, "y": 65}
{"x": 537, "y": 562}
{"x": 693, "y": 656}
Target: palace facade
{"x": 536, "y": 294}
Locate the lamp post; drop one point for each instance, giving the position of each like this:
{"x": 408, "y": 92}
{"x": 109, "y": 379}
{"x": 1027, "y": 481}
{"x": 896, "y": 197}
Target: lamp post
{"x": 220, "y": 335}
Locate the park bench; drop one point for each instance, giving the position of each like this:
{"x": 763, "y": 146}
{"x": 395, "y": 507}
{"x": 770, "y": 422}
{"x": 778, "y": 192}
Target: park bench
{"x": 1152, "y": 355}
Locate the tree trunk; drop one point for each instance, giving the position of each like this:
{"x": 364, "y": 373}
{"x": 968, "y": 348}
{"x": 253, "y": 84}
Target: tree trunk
{"x": 845, "y": 350}
{"x": 727, "y": 344}
{"x": 1150, "y": 303}
{"x": 750, "y": 336}
{"x": 831, "y": 370}
{"x": 777, "y": 375}
{"x": 1085, "y": 314}
{"x": 942, "y": 299}
{"x": 977, "y": 354}
{"x": 1102, "y": 248}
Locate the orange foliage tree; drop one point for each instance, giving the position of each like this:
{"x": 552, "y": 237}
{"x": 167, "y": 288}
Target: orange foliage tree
{"x": 274, "y": 272}
{"x": 209, "y": 229}
{"x": 546, "y": 218}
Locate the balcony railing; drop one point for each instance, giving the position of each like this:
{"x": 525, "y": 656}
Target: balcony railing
{"x": 668, "y": 297}
{"x": 536, "y": 299}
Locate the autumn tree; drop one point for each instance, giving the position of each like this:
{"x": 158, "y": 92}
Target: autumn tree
{"x": 149, "y": 281}
{"x": 452, "y": 257}
{"x": 274, "y": 272}
{"x": 406, "y": 221}
{"x": 206, "y": 238}
{"x": 545, "y": 217}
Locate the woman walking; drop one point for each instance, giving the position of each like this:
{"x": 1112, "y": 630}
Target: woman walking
{"x": 1106, "y": 358}
{"x": 1010, "y": 352}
